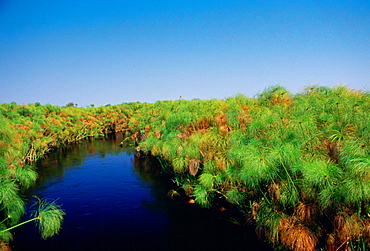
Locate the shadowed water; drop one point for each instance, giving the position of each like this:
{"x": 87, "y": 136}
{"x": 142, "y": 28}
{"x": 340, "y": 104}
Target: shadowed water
{"x": 114, "y": 202}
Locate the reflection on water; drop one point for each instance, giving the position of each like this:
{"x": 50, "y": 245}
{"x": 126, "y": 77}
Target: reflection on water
{"x": 114, "y": 202}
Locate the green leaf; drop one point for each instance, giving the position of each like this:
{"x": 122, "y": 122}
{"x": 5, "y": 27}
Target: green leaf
{"x": 180, "y": 164}
{"x": 50, "y": 218}
{"x": 202, "y": 197}
{"x": 235, "y": 196}
{"x": 14, "y": 209}
{"x": 206, "y": 180}
{"x": 26, "y": 176}
{"x": 6, "y": 236}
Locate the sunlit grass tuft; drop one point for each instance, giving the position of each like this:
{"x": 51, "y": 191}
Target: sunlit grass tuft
{"x": 202, "y": 197}
{"x": 49, "y": 218}
{"x": 26, "y": 176}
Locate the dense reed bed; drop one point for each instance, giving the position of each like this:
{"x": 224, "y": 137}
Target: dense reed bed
{"x": 297, "y": 166}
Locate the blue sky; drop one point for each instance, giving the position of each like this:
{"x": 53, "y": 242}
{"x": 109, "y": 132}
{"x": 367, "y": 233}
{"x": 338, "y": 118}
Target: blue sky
{"x": 110, "y": 52}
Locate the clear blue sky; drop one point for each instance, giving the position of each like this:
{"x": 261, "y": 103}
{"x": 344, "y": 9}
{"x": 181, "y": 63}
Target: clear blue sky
{"x": 100, "y": 52}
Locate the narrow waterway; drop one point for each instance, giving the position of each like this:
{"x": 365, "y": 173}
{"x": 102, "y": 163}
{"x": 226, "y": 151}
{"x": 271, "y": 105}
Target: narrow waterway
{"x": 114, "y": 202}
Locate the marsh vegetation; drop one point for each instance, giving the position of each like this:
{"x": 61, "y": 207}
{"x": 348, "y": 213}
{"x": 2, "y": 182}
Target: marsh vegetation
{"x": 296, "y": 166}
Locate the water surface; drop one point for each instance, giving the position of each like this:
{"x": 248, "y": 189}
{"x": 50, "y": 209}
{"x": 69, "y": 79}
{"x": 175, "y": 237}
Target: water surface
{"x": 114, "y": 202}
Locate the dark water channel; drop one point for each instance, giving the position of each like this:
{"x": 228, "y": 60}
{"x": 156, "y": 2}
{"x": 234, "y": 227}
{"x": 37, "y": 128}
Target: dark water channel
{"x": 113, "y": 202}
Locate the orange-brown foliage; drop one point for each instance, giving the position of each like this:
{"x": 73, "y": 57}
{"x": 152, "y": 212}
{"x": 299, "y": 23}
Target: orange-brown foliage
{"x": 4, "y": 246}
{"x": 244, "y": 119}
{"x": 63, "y": 114}
{"x": 224, "y": 130}
{"x": 347, "y": 227}
{"x": 306, "y": 213}
{"x": 330, "y": 243}
{"x": 221, "y": 119}
{"x": 332, "y": 151}
{"x": 158, "y": 134}
{"x": 274, "y": 192}
{"x": 193, "y": 166}
{"x": 182, "y": 136}
{"x": 255, "y": 208}
{"x": 201, "y": 126}
{"x": 221, "y": 163}
{"x": 296, "y": 236}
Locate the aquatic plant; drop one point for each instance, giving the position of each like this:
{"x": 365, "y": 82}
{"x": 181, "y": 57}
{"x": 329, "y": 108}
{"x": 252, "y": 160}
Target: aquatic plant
{"x": 296, "y": 165}
{"x": 48, "y": 217}
{"x": 302, "y": 158}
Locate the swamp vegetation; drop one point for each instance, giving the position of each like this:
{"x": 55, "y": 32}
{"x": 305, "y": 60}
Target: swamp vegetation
{"x": 295, "y": 166}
